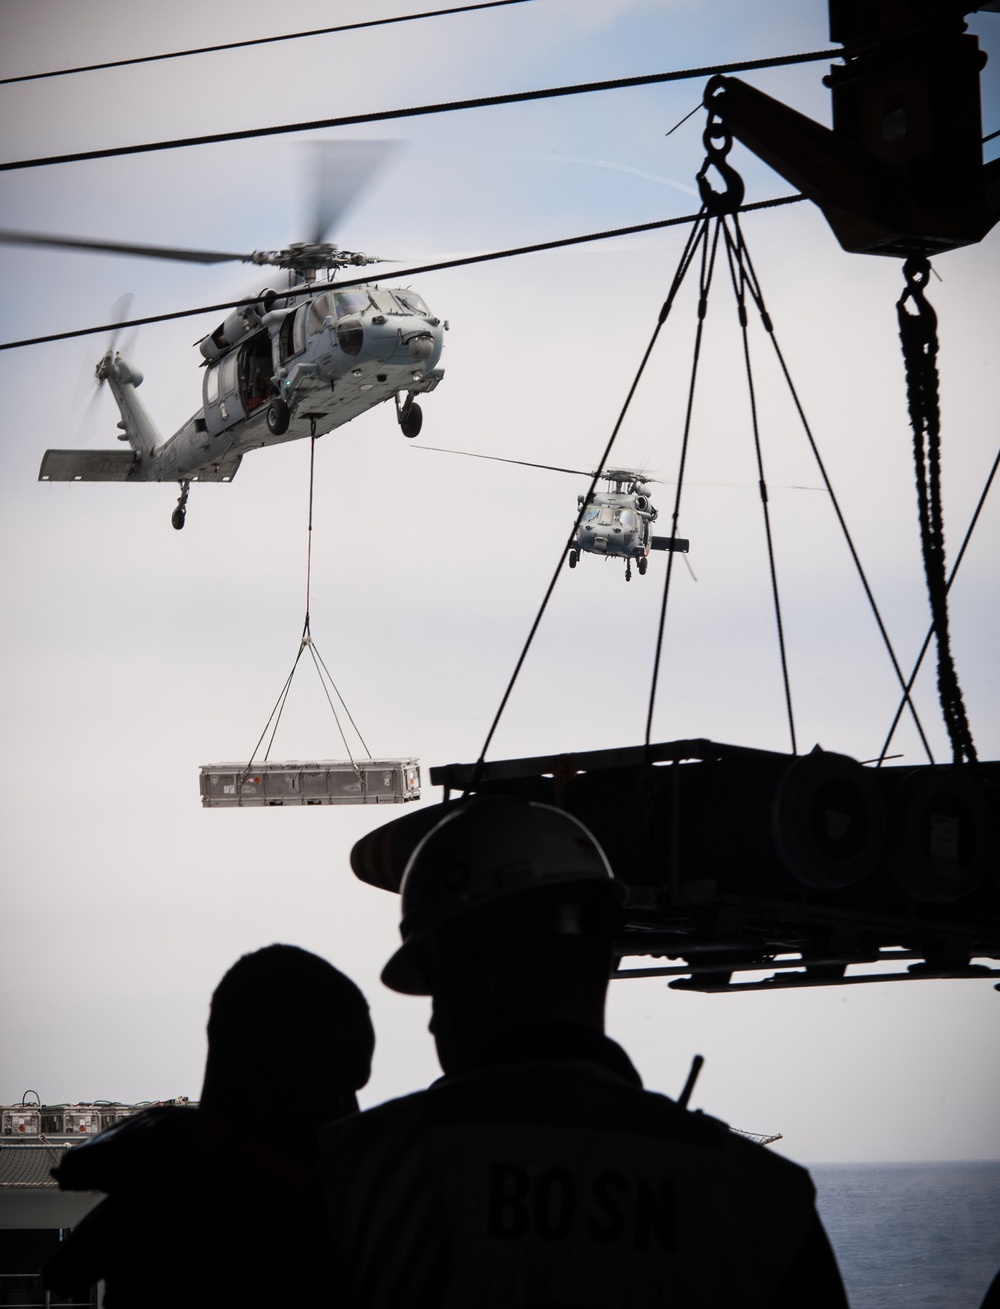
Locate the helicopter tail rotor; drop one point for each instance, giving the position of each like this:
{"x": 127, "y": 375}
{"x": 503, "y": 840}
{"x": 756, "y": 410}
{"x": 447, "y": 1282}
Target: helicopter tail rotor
{"x": 93, "y": 377}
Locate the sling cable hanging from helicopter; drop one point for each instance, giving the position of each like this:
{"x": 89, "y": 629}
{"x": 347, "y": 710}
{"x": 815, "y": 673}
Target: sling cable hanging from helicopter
{"x": 306, "y": 642}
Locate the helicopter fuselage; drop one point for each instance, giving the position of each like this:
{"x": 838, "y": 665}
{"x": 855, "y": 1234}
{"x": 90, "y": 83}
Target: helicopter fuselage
{"x": 288, "y": 366}
{"x": 615, "y": 523}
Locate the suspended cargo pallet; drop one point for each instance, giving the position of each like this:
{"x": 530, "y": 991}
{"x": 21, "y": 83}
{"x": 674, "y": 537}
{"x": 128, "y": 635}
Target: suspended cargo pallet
{"x": 309, "y": 782}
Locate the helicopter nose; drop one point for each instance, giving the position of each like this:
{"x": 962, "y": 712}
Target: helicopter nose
{"x": 421, "y": 346}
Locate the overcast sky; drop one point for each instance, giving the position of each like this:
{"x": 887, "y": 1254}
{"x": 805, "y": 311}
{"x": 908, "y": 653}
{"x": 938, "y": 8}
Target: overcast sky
{"x": 133, "y": 654}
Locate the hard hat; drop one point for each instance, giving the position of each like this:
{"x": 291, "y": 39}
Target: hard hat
{"x": 484, "y": 851}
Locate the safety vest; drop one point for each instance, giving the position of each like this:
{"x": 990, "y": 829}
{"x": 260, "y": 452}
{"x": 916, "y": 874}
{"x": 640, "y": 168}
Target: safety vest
{"x": 558, "y": 1184}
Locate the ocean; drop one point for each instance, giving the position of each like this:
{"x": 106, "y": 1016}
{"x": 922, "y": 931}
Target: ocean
{"x": 912, "y": 1236}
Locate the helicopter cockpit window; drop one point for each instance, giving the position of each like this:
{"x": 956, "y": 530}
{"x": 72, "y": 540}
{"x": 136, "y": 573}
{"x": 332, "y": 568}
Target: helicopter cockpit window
{"x": 384, "y": 302}
{"x": 319, "y": 311}
{"x": 626, "y": 518}
{"x": 412, "y": 303}
{"x": 299, "y": 329}
{"x": 606, "y": 516}
{"x": 292, "y": 336}
{"x": 351, "y": 302}
{"x": 212, "y": 384}
{"x": 590, "y": 513}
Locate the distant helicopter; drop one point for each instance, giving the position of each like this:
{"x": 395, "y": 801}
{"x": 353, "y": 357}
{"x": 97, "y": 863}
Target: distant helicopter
{"x": 615, "y": 523}
{"x": 293, "y": 363}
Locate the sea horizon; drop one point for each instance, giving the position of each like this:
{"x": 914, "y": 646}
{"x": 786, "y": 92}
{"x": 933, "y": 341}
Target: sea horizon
{"x": 916, "y": 1234}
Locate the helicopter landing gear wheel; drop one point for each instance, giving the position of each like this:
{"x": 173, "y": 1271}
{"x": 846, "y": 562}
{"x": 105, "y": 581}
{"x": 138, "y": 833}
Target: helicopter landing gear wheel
{"x": 278, "y": 417}
{"x": 628, "y": 570}
{"x": 411, "y": 419}
{"x": 180, "y": 513}
{"x": 574, "y": 558}
{"x": 641, "y": 565}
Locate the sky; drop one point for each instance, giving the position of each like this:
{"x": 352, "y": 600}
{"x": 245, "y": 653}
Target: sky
{"x": 133, "y": 654}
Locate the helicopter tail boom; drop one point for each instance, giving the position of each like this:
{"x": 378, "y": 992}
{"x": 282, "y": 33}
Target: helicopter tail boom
{"x": 138, "y": 427}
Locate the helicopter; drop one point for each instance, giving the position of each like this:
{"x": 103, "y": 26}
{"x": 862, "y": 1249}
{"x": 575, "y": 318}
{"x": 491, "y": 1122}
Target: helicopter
{"x": 614, "y": 523}
{"x": 284, "y": 364}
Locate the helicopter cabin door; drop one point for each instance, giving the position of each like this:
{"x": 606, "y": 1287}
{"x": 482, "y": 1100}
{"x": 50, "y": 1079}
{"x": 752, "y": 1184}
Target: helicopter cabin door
{"x": 223, "y": 403}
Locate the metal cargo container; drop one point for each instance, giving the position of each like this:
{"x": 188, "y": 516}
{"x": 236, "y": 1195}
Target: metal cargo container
{"x": 305, "y": 782}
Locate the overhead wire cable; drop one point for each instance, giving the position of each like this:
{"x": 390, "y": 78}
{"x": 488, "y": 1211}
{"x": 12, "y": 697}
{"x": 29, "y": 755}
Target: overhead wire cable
{"x": 738, "y": 276}
{"x": 462, "y": 262}
{"x": 260, "y": 40}
{"x": 420, "y": 111}
{"x": 686, "y": 257}
{"x": 884, "y": 753}
{"x": 758, "y": 298}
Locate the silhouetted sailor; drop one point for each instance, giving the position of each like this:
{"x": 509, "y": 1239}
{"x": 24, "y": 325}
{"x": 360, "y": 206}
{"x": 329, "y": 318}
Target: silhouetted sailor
{"x": 197, "y": 1195}
{"x": 538, "y": 1171}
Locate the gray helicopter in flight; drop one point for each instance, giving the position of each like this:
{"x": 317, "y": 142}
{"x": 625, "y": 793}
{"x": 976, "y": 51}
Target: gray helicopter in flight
{"x": 284, "y": 364}
{"x": 614, "y": 523}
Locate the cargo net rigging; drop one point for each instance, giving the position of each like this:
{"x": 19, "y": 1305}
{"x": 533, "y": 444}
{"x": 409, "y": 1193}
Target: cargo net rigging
{"x": 356, "y": 780}
{"x": 716, "y": 228}
{"x": 741, "y": 861}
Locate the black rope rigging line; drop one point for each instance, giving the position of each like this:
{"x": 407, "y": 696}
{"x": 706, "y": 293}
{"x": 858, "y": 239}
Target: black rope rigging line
{"x": 314, "y": 651}
{"x": 738, "y": 276}
{"x": 754, "y": 287}
{"x": 512, "y": 253}
{"x": 884, "y": 754}
{"x": 668, "y": 304}
{"x": 261, "y": 40}
{"x": 279, "y": 706}
{"x": 309, "y": 529}
{"x": 421, "y": 111}
{"x": 704, "y": 285}
{"x": 918, "y": 334}
{"x": 306, "y": 642}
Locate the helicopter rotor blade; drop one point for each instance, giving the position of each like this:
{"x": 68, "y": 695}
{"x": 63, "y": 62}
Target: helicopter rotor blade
{"x": 122, "y": 248}
{"x": 121, "y": 311}
{"x": 337, "y": 174}
{"x": 525, "y": 463}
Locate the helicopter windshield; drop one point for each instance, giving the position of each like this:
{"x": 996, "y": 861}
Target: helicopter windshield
{"x": 412, "y": 303}
{"x": 590, "y": 513}
{"x": 384, "y": 302}
{"x": 626, "y": 518}
{"x": 351, "y": 302}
